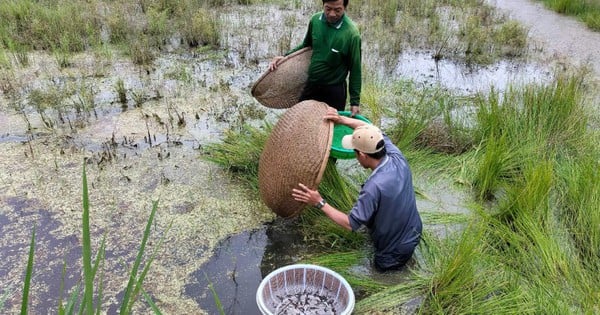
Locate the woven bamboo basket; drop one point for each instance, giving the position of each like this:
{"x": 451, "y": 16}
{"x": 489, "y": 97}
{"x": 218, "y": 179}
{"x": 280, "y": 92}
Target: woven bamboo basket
{"x": 281, "y": 87}
{"x": 296, "y": 151}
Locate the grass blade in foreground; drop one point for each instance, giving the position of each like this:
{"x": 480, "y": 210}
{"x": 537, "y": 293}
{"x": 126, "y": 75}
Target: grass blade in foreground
{"x": 129, "y": 296}
{"x": 215, "y": 296}
{"x": 28, "y": 273}
{"x": 88, "y": 292}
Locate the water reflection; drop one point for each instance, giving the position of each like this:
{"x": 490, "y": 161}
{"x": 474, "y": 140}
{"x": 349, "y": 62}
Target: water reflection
{"x": 421, "y": 67}
{"x": 239, "y": 264}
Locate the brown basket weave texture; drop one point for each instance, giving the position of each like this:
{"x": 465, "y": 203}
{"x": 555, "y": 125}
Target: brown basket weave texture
{"x": 281, "y": 87}
{"x": 296, "y": 151}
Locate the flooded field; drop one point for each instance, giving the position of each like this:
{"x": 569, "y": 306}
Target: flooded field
{"x": 150, "y": 148}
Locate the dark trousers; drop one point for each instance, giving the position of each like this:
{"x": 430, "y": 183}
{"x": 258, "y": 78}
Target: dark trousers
{"x": 333, "y": 95}
{"x": 401, "y": 262}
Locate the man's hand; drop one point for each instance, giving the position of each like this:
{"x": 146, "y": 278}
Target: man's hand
{"x": 333, "y": 115}
{"x": 306, "y": 195}
{"x": 355, "y": 109}
{"x": 274, "y": 62}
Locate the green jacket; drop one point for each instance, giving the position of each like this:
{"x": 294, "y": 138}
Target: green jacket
{"x": 336, "y": 53}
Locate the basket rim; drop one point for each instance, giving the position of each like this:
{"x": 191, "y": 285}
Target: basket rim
{"x": 283, "y": 60}
{"x": 263, "y": 283}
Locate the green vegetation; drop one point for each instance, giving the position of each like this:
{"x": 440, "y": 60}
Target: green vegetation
{"x": 588, "y": 11}
{"x": 141, "y": 28}
{"x": 463, "y": 30}
{"x": 469, "y": 31}
{"x": 529, "y": 245}
{"x": 528, "y": 157}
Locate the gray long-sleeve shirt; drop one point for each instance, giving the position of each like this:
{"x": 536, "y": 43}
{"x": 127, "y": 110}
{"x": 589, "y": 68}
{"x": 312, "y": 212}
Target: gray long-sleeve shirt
{"x": 387, "y": 206}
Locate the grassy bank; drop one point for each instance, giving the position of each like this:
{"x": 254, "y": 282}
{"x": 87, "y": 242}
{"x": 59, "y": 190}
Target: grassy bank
{"x": 588, "y": 11}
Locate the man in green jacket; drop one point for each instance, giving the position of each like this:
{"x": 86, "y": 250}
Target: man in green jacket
{"x": 336, "y": 55}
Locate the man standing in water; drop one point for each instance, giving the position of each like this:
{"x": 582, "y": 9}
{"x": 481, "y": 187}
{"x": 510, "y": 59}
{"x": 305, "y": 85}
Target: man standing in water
{"x": 336, "y": 55}
{"x": 386, "y": 203}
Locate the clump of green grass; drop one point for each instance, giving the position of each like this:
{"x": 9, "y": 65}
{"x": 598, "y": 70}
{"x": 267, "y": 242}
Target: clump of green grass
{"x": 536, "y": 124}
{"x": 469, "y": 31}
{"x": 342, "y": 262}
{"x": 201, "y": 27}
{"x": 140, "y": 28}
{"x": 141, "y": 51}
{"x": 50, "y": 103}
{"x": 592, "y": 19}
{"x": 121, "y": 92}
{"x": 424, "y": 119}
{"x": 579, "y": 195}
{"x": 45, "y": 25}
{"x": 239, "y": 152}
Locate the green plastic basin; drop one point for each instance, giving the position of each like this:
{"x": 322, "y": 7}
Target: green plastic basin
{"x": 339, "y": 131}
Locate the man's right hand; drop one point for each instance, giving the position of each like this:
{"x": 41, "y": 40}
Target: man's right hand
{"x": 274, "y": 62}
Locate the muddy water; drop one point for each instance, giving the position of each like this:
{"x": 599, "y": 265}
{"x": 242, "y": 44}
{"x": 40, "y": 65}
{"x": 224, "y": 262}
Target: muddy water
{"x": 561, "y": 39}
{"x": 219, "y": 233}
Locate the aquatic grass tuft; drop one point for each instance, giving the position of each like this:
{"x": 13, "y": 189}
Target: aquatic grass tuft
{"x": 343, "y": 262}
{"x": 201, "y": 27}
{"x": 429, "y": 118}
{"x": 121, "y": 92}
{"x": 462, "y": 278}
{"x": 526, "y": 126}
{"x": 579, "y": 197}
{"x": 239, "y": 152}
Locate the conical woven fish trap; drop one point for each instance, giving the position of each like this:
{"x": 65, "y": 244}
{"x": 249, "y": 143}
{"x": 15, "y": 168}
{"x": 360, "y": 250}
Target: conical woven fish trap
{"x": 281, "y": 88}
{"x": 296, "y": 151}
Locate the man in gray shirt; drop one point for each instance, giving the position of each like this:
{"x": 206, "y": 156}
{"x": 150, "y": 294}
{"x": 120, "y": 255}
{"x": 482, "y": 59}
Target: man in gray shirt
{"x": 386, "y": 204}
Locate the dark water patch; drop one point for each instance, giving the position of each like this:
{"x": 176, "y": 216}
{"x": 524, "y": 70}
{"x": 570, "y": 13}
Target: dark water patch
{"x": 52, "y": 252}
{"x": 239, "y": 264}
{"x": 241, "y": 261}
{"x": 234, "y": 274}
